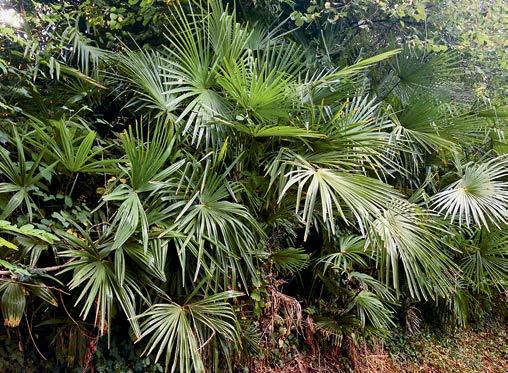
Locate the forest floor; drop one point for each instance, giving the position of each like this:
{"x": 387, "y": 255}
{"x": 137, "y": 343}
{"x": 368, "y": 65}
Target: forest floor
{"x": 463, "y": 351}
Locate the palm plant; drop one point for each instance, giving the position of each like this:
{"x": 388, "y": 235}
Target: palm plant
{"x": 328, "y": 192}
{"x": 101, "y": 286}
{"x": 66, "y": 146}
{"x": 146, "y": 159}
{"x": 221, "y": 235}
{"x": 484, "y": 261}
{"x": 369, "y": 306}
{"x": 248, "y": 168}
{"x": 23, "y": 177}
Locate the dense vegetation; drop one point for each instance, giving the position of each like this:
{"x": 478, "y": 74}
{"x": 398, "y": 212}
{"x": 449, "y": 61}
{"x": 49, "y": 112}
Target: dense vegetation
{"x": 229, "y": 186}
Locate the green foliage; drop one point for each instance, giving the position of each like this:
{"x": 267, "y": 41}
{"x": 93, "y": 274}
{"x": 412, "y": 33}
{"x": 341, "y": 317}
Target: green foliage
{"x": 13, "y": 303}
{"x": 22, "y": 177}
{"x": 289, "y": 259}
{"x": 480, "y": 195}
{"x": 65, "y": 145}
{"x": 217, "y": 191}
{"x": 182, "y": 331}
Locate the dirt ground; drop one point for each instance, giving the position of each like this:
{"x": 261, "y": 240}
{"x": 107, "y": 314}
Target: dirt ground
{"x": 465, "y": 351}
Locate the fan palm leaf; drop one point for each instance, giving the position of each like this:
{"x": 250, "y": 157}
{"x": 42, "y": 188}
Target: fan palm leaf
{"x": 370, "y": 308}
{"x": 356, "y": 136}
{"x": 404, "y": 233}
{"x": 211, "y": 221}
{"x": 143, "y": 70}
{"x": 333, "y": 194}
{"x": 480, "y": 196}
{"x": 95, "y": 275}
{"x": 146, "y": 157}
{"x": 73, "y": 151}
{"x": 23, "y": 176}
{"x": 485, "y": 262}
{"x": 351, "y": 251}
{"x": 180, "y": 332}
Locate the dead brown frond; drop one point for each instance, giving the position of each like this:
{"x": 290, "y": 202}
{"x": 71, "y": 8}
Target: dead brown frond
{"x": 283, "y": 311}
{"x": 413, "y": 320}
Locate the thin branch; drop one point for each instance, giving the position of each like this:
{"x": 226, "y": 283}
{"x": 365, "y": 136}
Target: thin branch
{"x": 47, "y": 287}
{"x": 80, "y": 328}
{"x": 32, "y": 338}
{"x": 44, "y": 269}
{"x": 74, "y": 184}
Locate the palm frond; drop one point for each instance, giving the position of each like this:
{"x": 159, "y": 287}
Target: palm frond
{"x": 356, "y": 136}
{"x": 23, "y": 176}
{"x": 405, "y": 234}
{"x": 290, "y": 259}
{"x": 370, "y": 308}
{"x": 87, "y": 55}
{"x": 329, "y": 193}
{"x": 324, "y": 87}
{"x": 210, "y": 220}
{"x": 181, "y": 332}
{"x": 480, "y": 196}
{"x": 369, "y": 283}
{"x": 95, "y": 275}
{"x": 418, "y": 71}
{"x": 485, "y": 261}
{"x": 350, "y": 252}
{"x": 192, "y": 65}
{"x": 75, "y": 152}
{"x": 146, "y": 156}
{"x": 143, "y": 71}
{"x": 263, "y": 87}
